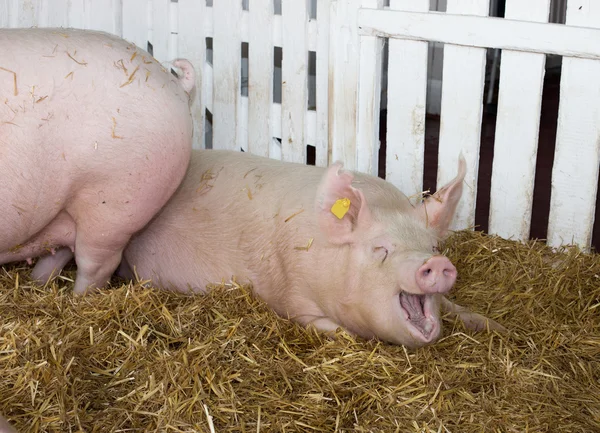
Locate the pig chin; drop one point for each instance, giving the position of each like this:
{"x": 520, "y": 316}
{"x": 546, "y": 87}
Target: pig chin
{"x": 418, "y": 312}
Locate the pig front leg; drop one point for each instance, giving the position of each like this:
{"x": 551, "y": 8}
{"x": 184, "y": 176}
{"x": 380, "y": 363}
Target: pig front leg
{"x": 97, "y": 254}
{"x": 473, "y": 321}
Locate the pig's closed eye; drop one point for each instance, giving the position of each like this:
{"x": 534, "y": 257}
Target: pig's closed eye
{"x": 435, "y": 249}
{"x": 381, "y": 253}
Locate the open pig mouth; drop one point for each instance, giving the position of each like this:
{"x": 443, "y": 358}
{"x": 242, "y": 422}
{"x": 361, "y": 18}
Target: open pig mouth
{"x": 414, "y": 306}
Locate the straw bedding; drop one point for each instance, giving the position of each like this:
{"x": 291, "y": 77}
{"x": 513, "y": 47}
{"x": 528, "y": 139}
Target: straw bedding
{"x": 136, "y": 359}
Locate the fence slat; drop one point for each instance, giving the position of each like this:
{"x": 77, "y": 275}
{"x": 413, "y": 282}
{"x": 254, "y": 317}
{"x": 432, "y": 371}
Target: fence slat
{"x": 192, "y": 46}
{"x": 90, "y": 14}
{"x": 226, "y": 72}
{"x": 575, "y": 170}
{"x": 517, "y": 127}
{"x": 4, "y": 14}
{"x": 25, "y": 14}
{"x": 260, "y": 76}
{"x": 135, "y": 23}
{"x": 460, "y": 120}
{"x": 407, "y": 90}
{"x": 478, "y": 31}
{"x": 369, "y": 94}
{"x": 321, "y": 142}
{"x": 161, "y": 33}
{"x": 54, "y": 13}
{"x": 343, "y": 68}
{"x": 294, "y": 72}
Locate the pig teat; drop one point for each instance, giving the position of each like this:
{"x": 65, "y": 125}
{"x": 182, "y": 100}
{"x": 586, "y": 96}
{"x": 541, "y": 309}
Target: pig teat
{"x": 436, "y": 275}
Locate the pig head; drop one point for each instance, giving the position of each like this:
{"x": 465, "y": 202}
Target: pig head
{"x": 391, "y": 281}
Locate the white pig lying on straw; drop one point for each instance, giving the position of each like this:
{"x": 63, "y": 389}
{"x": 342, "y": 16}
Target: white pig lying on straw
{"x": 323, "y": 247}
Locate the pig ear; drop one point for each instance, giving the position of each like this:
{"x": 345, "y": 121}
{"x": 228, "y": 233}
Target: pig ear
{"x": 438, "y": 209}
{"x": 341, "y": 209}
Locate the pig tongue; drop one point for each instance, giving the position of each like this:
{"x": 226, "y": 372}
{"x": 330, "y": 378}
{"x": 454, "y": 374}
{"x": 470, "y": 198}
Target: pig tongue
{"x": 414, "y": 308}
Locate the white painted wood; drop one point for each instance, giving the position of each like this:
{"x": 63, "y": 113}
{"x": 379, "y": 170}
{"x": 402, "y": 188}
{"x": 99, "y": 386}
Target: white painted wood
{"x": 407, "y": 86}
{"x": 53, "y": 13}
{"x": 192, "y": 46}
{"x": 174, "y": 30}
{"x": 13, "y": 13}
{"x": 226, "y": 72}
{"x": 135, "y": 23}
{"x": 260, "y": 76}
{"x": 294, "y": 69}
{"x": 577, "y": 156}
{"x": 343, "y": 73}
{"x": 161, "y": 33}
{"x": 277, "y": 31}
{"x": 311, "y": 34}
{"x": 207, "y": 85}
{"x": 477, "y": 31}
{"x": 460, "y": 120}
{"x": 242, "y": 107}
{"x": 517, "y": 128}
{"x": 92, "y": 14}
{"x": 321, "y": 139}
{"x": 25, "y": 13}
{"x": 4, "y": 13}
{"x": 369, "y": 94}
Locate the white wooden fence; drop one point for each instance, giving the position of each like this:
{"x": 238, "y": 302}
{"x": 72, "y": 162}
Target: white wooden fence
{"x": 346, "y": 37}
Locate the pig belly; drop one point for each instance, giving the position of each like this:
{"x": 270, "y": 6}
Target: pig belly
{"x": 91, "y": 127}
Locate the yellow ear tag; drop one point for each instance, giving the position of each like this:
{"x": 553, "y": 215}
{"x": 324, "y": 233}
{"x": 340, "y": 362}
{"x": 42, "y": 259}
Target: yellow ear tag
{"x": 340, "y": 207}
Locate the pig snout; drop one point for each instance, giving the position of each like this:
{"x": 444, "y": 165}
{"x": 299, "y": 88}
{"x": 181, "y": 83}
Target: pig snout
{"x": 436, "y": 275}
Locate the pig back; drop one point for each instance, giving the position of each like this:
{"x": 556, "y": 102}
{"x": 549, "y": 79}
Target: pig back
{"x": 232, "y": 216}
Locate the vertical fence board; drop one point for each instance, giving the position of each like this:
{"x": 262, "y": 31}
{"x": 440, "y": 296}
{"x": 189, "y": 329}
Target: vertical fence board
{"x": 4, "y": 14}
{"x": 242, "y": 108}
{"x": 322, "y": 87}
{"x": 135, "y": 22}
{"x": 192, "y": 46}
{"x": 90, "y": 14}
{"x": 460, "y": 124}
{"x": 294, "y": 71}
{"x": 54, "y": 13}
{"x": 407, "y": 92}
{"x": 517, "y": 127}
{"x": 575, "y": 171}
{"x": 369, "y": 94}
{"x": 161, "y": 33}
{"x": 343, "y": 82}
{"x": 226, "y": 72}
{"x": 260, "y": 76}
{"x": 25, "y": 13}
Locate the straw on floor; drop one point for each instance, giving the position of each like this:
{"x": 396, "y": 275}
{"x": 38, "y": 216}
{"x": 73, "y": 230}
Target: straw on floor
{"x": 139, "y": 359}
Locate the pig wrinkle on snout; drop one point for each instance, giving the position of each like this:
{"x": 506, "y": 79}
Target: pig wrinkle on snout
{"x": 322, "y": 246}
{"x": 96, "y": 136}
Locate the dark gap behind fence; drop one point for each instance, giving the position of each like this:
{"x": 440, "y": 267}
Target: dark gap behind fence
{"x": 545, "y": 153}
{"x": 277, "y": 59}
{"x": 244, "y": 73}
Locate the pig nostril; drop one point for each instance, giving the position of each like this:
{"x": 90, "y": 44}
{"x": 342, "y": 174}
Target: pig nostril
{"x": 426, "y": 272}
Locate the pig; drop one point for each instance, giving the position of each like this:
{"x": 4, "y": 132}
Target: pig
{"x": 95, "y": 137}
{"x": 324, "y": 247}
{"x": 5, "y": 427}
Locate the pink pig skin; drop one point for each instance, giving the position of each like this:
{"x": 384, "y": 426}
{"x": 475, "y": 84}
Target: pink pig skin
{"x": 5, "y": 427}
{"x": 95, "y": 136}
{"x": 374, "y": 272}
